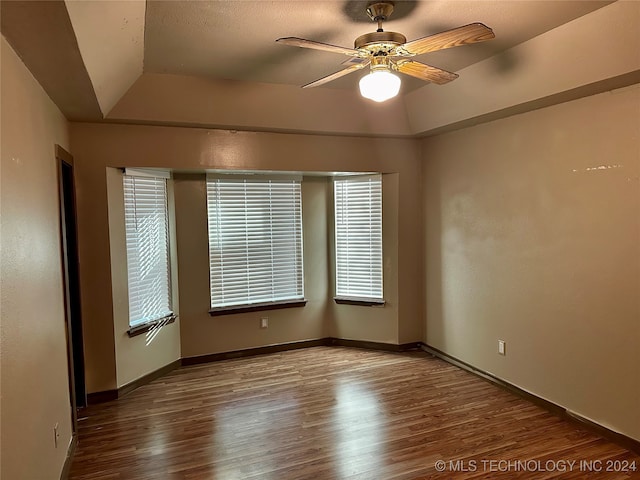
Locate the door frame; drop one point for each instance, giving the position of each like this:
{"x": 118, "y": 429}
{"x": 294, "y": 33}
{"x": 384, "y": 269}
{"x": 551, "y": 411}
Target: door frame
{"x": 71, "y": 284}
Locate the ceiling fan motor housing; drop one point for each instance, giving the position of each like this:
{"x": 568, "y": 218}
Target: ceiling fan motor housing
{"x": 379, "y": 43}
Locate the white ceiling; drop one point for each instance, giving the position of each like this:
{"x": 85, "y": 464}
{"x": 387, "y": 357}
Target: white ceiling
{"x": 236, "y": 39}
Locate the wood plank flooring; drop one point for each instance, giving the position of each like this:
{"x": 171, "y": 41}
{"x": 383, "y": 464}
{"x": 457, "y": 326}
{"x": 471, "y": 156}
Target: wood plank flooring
{"x": 335, "y": 413}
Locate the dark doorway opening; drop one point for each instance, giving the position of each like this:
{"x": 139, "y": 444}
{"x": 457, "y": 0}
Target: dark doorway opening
{"x": 73, "y": 317}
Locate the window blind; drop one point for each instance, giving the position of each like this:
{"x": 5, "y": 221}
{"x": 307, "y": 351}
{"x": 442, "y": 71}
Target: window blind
{"x": 255, "y": 240}
{"x": 358, "y": 237}
{"x": 147, "y": 239}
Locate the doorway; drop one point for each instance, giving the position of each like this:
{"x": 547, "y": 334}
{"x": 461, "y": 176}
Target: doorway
{"x": 73, "y": 318}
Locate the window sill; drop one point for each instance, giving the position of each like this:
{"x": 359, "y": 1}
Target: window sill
{"x": 257, "y": 307}
{"x": 362, "y": 301}
{"x": 145, "y": 327}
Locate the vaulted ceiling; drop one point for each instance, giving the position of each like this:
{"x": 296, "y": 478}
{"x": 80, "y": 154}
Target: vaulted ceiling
{"x": 235, "y": 39}
{"x": 216, "y": 63}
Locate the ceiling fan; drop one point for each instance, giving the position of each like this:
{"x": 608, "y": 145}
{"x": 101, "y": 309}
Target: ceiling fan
{"x": 386, "y": 52}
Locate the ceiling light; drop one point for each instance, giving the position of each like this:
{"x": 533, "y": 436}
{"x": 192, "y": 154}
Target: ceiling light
{"x": 379, "y": 85}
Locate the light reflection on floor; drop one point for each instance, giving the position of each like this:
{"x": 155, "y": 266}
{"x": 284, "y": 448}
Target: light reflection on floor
{"x": 359, "y": 414}
{"x": 243, "y": 428}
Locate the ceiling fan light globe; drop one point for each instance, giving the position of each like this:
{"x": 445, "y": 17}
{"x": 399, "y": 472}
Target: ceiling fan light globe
{"x": 380, "y": 85}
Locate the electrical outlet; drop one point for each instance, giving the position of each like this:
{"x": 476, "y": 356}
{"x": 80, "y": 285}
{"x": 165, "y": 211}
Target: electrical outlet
{"x": 56, "y": 435}
{"x": 264, "y": 322}
{"x": 502, "y": 347}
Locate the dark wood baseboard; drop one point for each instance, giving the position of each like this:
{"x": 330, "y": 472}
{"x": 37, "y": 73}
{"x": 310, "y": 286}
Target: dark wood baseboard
{"x": 149, "y": 377}
{"x": 622, "y": 440}
{"x": 66, "y": 468}
{"x": 102, "y": 397}
{"x": 281, "y": 347}
{"x": 109, "y": 395}
{"x": 387, "y": 347}
{"x": 250, "y": 352}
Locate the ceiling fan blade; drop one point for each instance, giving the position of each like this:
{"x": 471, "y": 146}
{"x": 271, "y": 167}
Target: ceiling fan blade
{"x": 473, "y": 33}
{"x": 425, "y": 72}
{"x": 338, "y": 74}
{"x": 301, "y": 42}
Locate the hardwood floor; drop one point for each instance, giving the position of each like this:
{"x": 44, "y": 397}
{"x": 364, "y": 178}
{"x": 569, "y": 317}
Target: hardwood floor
{"x": 335, "y": 413}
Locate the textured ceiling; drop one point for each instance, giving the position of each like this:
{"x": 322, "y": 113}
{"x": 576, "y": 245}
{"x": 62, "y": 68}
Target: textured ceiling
{"x": 88, "y": 54}
{"x": 235, "y": 39}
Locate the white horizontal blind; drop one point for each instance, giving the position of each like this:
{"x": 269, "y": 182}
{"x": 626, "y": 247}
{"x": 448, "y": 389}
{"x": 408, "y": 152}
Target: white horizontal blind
{"x": 358, "y": 219}
{"x": 255, "y": 240}
{"x": 147, "y": 237}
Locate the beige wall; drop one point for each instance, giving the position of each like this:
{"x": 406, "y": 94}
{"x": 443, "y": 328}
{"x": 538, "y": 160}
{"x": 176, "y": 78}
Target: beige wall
{"x": 202, "y": 333}
{"x": 533, "y": 237}
{"x": 136, "y": 356}
{"x": 97, "y": 147}
{"x": 371, "y": 324}
{"x": 35, "y": 385}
